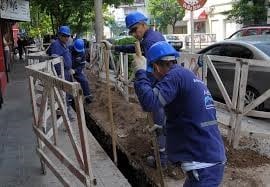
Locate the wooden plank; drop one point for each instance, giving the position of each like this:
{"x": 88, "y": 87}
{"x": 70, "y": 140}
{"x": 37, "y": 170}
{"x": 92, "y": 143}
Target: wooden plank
{"x": 53, "y": 114}
{"x": 61, "y": 156}
{"x": 126, "y": 76}
{"x": 260, "y": 114}
{"x": 69, "y": 128}
{"x": 43, "y": 107}
{"x": 219, "y": 83}
{"x": 257, "y": 102}
{"x": 35, "y": 116}
{"x": 236, "y": 84}
{"x": 53, "y": 168}
{"x": 55, "y": 81}
{"x": 110, "y": 109}
{"x": 84, "y": 137}
{"x": 240, "y": 105}
{"x": 231, "y": 60}
{"x": 204, "y": 70}
{"x": 255, "y": 134}
{"x": 232, "y": 124}
{"x": 258, "y": 63}
{"x": 156, "y": 150}
{"x": 112, "y": 60}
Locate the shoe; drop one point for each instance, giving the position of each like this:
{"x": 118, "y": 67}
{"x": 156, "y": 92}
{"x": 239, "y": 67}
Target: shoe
{"x": 151, "y": 162}
{"x": 88, "y": 99}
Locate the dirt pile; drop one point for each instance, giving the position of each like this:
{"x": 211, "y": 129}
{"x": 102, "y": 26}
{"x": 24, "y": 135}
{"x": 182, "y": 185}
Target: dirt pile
{"x": 131, "y": 128}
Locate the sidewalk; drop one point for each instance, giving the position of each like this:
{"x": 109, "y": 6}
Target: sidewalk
{"x": 19, "y": 163}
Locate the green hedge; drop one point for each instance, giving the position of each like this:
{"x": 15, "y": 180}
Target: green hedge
{"x": 126, "y": 41}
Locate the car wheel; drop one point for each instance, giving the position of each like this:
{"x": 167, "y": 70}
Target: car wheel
{"x": 251, "y": 95}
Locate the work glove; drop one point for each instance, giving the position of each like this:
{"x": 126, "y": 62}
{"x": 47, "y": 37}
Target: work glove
{"x": 140, "y": 63}
{"x": 72, "y": 71}
{"x": 107, "y": 44}
{"x": 157, "y": 129}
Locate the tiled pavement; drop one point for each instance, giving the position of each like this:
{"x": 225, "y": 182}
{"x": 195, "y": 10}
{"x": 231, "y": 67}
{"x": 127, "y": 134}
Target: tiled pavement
{"x": 19, "y": 163}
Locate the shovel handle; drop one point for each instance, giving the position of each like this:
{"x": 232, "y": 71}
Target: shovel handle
{"x": 138, "y": 48}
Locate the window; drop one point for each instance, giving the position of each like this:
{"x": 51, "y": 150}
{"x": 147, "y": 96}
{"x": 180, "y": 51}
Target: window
{"x": 216, "y": 50}
{"x": 237, "y": 35}
{"x": 250, "y": 32}
{"x": 265, "y": 31}
{"x": 264, "y": 47}
{"x": 232, "y": 50}
{"x": 199, "y": 27}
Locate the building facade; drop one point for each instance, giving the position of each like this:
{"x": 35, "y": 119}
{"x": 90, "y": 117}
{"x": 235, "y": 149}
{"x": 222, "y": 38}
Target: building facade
{"x": 211, "y": 19}
{"x": 11, "y": 11}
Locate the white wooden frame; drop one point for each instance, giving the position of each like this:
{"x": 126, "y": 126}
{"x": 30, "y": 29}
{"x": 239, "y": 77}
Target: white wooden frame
{"x": 235, "y": 105}
{"x": 52, "y": 96}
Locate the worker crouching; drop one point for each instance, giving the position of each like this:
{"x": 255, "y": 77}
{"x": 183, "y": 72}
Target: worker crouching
{"x": 78, "y": 65}
{"x": 193, "y": 140}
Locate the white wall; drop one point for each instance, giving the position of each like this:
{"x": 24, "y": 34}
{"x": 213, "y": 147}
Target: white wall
{"x": 216, "y": 22}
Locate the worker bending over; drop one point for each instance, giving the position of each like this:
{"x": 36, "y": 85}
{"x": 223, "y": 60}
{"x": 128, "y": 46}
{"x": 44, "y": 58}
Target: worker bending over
{"x": 192, "y": 136}
{"x": 78, "y": 64}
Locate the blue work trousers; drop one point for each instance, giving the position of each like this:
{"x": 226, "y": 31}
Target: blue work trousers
{"x": 159, "y": 119}
{"x": 206, "y": 177}
{"x": 80, "y": 77}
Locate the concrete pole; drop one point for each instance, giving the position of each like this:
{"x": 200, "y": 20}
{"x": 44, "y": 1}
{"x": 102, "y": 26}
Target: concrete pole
{"x": 192, "y": 31}
{"x": 268, "y": 11}
{"x": 98, "y": 20}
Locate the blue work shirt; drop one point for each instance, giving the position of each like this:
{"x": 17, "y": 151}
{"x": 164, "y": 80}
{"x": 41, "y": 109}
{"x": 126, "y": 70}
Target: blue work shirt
{"x": 78, "y": 60}
{"x": 150, "y": 37}
{"x": 191, "y": 126}
{"x": 57, "y": 48}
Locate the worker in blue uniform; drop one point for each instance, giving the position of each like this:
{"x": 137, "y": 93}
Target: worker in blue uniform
{"x": 193, "y": 139}
{"x": 59, "y": 48}
{"x": 136, "y": 22}
{"x": 78, "y": 64}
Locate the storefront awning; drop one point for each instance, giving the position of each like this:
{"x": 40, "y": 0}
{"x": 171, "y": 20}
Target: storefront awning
{"x": 18, "y": 11}
{"x": 197, "y": 15}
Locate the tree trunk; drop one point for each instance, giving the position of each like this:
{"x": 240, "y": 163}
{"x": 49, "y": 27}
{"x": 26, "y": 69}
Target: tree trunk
{"x": 98, "y": 20}
{"x": 53, "y": 26}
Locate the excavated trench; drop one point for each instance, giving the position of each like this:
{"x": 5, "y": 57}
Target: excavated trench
{"x": 131, "y": 171}
{"x": 134, "y": 142}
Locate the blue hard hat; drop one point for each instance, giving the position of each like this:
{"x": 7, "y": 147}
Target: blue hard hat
{"x": 64, "y": 30}
{"x": 79, "y": 45}
{"x": 160, "y": 51}
{"x": 134, "y": 18}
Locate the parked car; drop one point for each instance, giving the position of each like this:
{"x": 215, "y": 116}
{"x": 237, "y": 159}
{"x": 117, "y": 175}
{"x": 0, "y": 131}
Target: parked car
{"x": 174, "y": 40}
{"x": 251, "y": 30}
{"x": 252, "y": 47}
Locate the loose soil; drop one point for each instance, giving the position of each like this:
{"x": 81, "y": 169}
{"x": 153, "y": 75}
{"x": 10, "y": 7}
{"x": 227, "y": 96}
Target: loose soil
{"x": 244, "y": 168}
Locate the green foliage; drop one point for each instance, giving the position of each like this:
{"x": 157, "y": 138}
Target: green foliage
{"x": 166, "y": 12}
{"x": 40, "y": 24}
{"x": 125, "y": 40}
{"x": 113, "y": 25}
{"x": 78, "y": 14}
{"x": 244, "y": 13}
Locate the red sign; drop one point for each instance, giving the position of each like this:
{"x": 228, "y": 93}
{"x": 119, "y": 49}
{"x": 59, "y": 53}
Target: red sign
{"x": 191, "y": 4}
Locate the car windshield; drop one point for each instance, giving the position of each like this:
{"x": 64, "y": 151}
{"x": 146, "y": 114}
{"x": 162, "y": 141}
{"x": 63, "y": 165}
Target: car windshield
{"x": 264, "y": 47}
{"x": 172, "y": 38}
